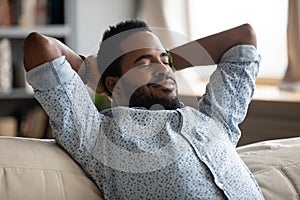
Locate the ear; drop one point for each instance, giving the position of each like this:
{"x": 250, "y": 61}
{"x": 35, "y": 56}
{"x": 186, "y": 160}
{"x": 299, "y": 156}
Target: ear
{"x": 110, "y": 82}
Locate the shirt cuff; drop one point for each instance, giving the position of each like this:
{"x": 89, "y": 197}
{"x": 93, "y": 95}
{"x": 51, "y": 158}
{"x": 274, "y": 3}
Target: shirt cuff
{"x": 50, "y": 74}
{"x": 241, "y": 53}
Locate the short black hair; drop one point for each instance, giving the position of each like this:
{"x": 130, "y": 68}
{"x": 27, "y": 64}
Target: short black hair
{"x": 110, "y": 54}
{"x": 125, "y": 26}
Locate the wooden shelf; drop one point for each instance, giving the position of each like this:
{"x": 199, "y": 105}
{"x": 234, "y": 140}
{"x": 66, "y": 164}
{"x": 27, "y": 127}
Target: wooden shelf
{"x": 16, "y": 103}
{"x": 17, "y": 93}
{"x": 15, "y": 32}
{"x": 20, "y": 103}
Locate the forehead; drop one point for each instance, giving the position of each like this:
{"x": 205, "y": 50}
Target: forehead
{"x": 141, "y": 40}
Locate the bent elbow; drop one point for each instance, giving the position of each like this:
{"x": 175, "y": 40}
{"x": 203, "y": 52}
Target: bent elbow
{"x": 249, "y": 35}
{"x": 32, "y": 41}
{"x": 38, "y": 49}
{"x": 32, "y": 47}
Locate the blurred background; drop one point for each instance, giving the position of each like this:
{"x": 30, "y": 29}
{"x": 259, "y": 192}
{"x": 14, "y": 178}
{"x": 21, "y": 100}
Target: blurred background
{"x": 274, "y": 111}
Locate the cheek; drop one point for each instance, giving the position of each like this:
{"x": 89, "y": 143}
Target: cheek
{"x": 136, "y": 78}
{"x": 131, "y": 84}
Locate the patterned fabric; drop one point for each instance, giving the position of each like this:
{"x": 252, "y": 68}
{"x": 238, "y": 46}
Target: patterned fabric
{"x": 134, "y": 153}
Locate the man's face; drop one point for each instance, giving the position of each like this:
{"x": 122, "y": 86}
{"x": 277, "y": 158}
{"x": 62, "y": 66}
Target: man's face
{"x": 147, "y": 79}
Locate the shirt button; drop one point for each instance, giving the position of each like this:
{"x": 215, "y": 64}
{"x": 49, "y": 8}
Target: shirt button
{"x": 219, "y": 184}
{"x": 203, "y": 158}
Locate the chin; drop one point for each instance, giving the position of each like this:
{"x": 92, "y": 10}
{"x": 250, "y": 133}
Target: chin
{"x": 161, "y": 98}
{"x": 157, "y": 103}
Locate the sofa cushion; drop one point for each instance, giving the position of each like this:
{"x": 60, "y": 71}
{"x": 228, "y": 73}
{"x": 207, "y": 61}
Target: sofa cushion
{"x": 39, "y": 169}
{"x": 276, "y": 167}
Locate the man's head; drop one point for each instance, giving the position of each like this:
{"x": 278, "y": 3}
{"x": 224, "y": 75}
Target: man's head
{"x": 135, "y": 67}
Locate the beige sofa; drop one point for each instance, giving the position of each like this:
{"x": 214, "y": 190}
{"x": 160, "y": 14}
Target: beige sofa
{"x": 38, "y": 170}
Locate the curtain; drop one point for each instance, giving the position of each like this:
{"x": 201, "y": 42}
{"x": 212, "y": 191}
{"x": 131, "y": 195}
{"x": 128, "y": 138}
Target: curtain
{"x": 291, "y": 80}
{"x": 167, "y": 18}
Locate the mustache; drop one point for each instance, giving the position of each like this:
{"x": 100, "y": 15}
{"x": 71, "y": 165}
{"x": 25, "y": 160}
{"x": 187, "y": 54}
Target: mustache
{"x": 160, "y": 79}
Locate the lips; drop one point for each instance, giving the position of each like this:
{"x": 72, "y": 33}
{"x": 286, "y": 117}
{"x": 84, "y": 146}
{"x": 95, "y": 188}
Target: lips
{"x": 165, "y": 83}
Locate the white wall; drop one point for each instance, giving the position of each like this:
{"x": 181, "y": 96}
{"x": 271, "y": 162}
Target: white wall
{"x": 90, "y": 18}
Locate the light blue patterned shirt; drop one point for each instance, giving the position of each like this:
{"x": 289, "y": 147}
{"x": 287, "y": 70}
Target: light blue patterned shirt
{"x": 133, "y": 153}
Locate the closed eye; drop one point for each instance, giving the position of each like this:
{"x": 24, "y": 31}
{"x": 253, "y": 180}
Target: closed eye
{"x": 164, "y": 58}
{"x": 145, "y": 56}
{"x": 145, "y": 65}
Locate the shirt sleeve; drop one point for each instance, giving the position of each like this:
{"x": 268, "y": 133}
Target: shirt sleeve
{"x": 74, "y": 119}
{"x": 230, "y": 88}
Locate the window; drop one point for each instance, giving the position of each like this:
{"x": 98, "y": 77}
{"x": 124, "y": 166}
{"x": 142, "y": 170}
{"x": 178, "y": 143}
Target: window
{"x": 268, "y": 18}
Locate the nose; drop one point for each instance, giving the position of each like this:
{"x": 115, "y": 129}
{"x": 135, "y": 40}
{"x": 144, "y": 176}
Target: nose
{"x": 161, "y": 69}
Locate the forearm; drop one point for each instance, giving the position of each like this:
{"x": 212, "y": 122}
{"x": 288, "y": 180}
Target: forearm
{"x": 212, "y": 47}
{"x": 39, "y": 49}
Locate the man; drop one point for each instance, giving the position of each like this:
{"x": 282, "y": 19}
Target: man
{"x": 150, "y": 146}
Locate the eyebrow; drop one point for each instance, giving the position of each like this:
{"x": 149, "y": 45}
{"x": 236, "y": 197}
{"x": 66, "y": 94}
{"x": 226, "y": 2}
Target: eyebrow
{"x": 147, "y": 56}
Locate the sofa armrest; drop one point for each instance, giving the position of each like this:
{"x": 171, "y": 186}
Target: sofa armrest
{"x": 39, "y": 169}
{"x": 276, "y": 166}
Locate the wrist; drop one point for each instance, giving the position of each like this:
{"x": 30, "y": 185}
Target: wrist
{"x": 87, "y": 69}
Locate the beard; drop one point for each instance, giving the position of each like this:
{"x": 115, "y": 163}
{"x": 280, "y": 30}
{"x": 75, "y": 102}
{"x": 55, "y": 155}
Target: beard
{"x": 151, "y": 102}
